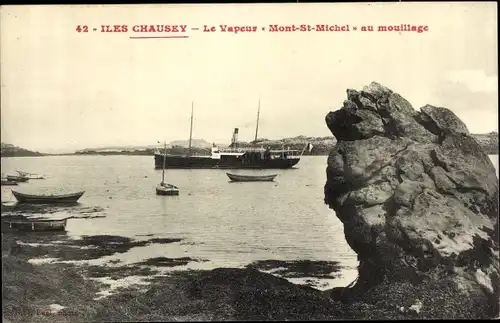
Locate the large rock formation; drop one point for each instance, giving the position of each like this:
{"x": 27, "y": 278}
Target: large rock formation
{"x": 418, "y": 198}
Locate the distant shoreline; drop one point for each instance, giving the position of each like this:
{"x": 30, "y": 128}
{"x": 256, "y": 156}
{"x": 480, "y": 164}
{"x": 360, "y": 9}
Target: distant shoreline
{"x": 121, "y": 154}
{"x": 321, "y": 147}
{"x": 147, "y": 154}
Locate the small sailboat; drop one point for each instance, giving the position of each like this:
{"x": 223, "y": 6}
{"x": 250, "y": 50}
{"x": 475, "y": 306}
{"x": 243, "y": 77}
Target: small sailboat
{"x": 165, "y": 188}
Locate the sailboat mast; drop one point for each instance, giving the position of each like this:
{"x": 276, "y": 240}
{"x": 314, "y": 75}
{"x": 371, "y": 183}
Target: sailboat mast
{"x": 191, "y": 128}
{"x": 257, "y": 127}
{"x": 164, "y": 161}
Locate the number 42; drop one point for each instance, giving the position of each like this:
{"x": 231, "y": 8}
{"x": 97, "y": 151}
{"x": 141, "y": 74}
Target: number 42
{"x": 84, "y": 29}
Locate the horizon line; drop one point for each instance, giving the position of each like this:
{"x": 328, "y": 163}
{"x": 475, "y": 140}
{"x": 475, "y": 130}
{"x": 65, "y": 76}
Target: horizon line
{"x": 219, "y": 142}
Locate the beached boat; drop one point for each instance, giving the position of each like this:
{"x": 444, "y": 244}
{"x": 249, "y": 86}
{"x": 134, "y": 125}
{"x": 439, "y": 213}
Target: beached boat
{"x": 37, "y": 225}
{"x": 17, "y": 178}
{"x": 165, "y": 188}
{"x": 47, "y": 199}
{"x": 5, "y": 181}
{"x": 30, "y": 175}
{"x": 251, "y": 178}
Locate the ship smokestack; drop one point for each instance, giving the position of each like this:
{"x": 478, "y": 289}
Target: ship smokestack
{"x": 234, "y": 140}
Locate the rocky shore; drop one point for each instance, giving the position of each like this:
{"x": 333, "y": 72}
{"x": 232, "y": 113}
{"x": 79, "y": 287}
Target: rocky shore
{"x": 70, "y": 292}
{"x": 418, "y": 198}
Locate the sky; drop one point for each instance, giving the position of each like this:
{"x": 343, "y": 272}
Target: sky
{"x": 62, "y": 90}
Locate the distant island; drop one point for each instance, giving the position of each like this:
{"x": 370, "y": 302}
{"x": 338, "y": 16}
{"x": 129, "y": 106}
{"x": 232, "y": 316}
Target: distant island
{"x": 321, "y": 147}
{"x": 8, "y": 150}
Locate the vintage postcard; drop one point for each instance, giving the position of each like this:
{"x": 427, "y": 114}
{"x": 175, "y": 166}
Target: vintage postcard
{"x": 272, "y": 161}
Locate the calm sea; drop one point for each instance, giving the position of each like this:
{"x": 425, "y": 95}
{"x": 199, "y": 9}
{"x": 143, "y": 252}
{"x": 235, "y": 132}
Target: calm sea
{"x": 227, "y": 224}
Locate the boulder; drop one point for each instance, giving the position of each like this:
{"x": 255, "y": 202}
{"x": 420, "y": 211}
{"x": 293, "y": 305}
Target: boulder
{"x": 418, "y": 198}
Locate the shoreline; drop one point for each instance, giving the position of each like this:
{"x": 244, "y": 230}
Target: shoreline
{"x": 94, "y": 283}
{"x": 65, "y": 292}
{"x": 83, "y": 278}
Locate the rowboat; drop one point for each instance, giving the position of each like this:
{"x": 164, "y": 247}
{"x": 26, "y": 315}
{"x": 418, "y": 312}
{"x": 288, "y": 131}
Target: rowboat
{"x": 17, "y": 178}
{"x": 30, "y": 175}
{"x": 251, "y": 178}
{"x": 37, "y": 225}
{"x": 47, "y": 199}
{"x": 8, "y": 182}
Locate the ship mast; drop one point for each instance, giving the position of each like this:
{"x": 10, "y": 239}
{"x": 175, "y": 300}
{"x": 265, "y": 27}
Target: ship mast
{"x": 257, "y": 127}
{"x": 164, "y": 160}
{"x": 191, "y": 128}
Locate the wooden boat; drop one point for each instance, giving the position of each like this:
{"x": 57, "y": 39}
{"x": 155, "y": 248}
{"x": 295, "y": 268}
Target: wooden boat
{"x": 164, "y": 188}
{"x": 37, "y": 225}
{"x": 8, "y": 182}
{"x": 251, "y": 178}
{"x": 47, "y": 199}
{"x": 30, "y": 175}
{"x": 17, "y": 178}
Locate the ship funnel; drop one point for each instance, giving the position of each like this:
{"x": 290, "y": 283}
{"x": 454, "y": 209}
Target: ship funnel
{"x": 234, "y": 140}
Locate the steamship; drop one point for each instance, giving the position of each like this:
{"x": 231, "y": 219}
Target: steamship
{"x": 232, "y": 157}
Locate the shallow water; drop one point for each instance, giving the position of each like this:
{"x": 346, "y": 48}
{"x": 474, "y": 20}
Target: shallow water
{"x": 227, "y": 224}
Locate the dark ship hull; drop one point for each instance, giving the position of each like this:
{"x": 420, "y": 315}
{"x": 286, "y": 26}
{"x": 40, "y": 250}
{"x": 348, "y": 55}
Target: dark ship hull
{"x": 225, "y": 162}
{"x": 231, "y": 158}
